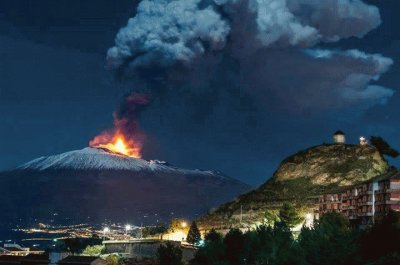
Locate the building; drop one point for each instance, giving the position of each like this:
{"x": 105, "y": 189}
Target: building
{"x": 17, "y": 250}
{"x": 363, "y": 141}
{"x": 4, "y": 251}
{"x": 10, "y": 260}
{"x": 137, "y": 248}
{"x": 82, "y": 260}
{"x": 35, "y": 259}
{"x": 142, "y": 249}
{"x": 364, "y": 203}
{"x": 339, "y": 137}
{"x": 56, "y": 256}
{"x": 30, "y": 259}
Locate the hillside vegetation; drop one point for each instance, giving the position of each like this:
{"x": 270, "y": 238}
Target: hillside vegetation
{"x": 299, "y": 179}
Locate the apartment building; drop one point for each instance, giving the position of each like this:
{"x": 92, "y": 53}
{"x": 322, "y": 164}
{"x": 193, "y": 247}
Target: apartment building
{"x": 364, "y": 203}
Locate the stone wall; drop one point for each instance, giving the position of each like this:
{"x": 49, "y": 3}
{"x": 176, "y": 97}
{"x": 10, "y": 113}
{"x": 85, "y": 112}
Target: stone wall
{"x": 145, "y": 248}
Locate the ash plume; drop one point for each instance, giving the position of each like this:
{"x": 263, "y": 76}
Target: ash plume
{"x": 126, "y": 127}
{"x": 223, "y": 71}
{"x": 165, "y": 32}
{"x": 185, "y": 40}
{"x": 126, "y": 118}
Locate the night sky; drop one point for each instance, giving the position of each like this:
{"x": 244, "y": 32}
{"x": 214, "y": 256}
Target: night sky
{"x": 239, "y": 101}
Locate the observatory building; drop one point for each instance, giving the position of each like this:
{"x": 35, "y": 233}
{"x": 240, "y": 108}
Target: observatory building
{"x": 339, "y": 137}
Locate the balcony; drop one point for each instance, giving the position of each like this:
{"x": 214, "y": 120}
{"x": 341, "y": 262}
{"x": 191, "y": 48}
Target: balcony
{"x": 366, "y": 214}
{"x": 367, "y": 192}
{"x": 380, "y": 191}
{"x": 366, "y": 203}
{"x": 386, "y": 202}
{"x": 393, "y": 190}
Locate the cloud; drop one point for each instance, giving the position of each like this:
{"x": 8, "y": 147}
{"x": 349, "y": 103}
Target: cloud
{"x": 353, "y": 87}
{"x": 373, "y": 94}
{"x": 336, "y": 19}
{"x": 267, "y": 47}
{"x": 165, "y": 32}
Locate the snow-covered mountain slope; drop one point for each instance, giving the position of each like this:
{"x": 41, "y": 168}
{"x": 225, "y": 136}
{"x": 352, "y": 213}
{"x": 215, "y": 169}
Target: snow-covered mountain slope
{"x": 87, "y": 158}
{"x": 93, "y": 158}
{"x": 101, "y": 159}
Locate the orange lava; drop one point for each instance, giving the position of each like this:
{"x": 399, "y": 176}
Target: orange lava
{"x": 117, "y": 143}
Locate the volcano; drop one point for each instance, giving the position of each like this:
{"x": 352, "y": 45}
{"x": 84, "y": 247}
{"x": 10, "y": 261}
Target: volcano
{"x": 95, "y": 184}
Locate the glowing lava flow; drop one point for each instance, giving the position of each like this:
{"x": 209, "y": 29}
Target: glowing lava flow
{"x": 117, "y": 143}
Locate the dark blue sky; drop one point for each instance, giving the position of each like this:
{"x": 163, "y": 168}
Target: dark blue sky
{"x": 56, "y": 93}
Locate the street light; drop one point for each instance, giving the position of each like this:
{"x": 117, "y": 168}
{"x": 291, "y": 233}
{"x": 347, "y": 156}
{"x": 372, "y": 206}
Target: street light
{"x": 183, "y": 224}
{"x": 127, "y": 228}
{"x": 105, "y": 230}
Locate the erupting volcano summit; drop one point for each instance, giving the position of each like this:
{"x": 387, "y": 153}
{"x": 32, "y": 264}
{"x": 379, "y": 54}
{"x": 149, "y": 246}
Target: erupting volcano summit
{"x": 117, "y": 143}
{"x": 94, "y": 184}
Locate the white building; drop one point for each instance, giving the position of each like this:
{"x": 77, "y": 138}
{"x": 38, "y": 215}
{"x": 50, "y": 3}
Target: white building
{"x": 339, "y": 137}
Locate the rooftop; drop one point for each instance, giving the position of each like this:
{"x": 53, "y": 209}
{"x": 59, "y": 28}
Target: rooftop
{"x": 78, "y": 260}
{"x": 339, "y": 133}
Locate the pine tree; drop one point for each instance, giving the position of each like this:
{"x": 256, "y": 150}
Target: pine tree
{"x": 193, "y": 236}
{"x": 383, "y": 147}
{"x": 289, "y": 215}
{"x": 169, "y": 254}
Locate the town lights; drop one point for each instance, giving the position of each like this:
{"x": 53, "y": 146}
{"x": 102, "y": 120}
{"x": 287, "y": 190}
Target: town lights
{"x": 183, "y": 224}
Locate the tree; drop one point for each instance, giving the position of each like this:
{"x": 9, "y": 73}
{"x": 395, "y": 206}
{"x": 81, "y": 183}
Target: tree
{"x": 153, "y": 230}
{"x": 283, "y": 248}
{"x": 193, "y": 236}
{"x": 95, "y": 250}
{"x": 77, "y": 245}
{"x": 330, "y": 241}
{"x": 270, "y": 217}
{"x": 289, "y": 215}
{"x": 383, "y": 147}
{"x": 169, "y": 254}
{"x": 212, "y": 252}
{"x": 234, "y": 243}
{"x": 112, "y": 260}
{"x": 380, "y": 243}
{"x": 177, "y": 225}
{"x": 213, "y": 237}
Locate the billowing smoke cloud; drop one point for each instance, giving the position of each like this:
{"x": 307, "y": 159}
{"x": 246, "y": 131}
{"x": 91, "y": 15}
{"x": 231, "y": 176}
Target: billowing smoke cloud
{"x": 336, "y": 19}
{"x": 171, "y": 33}
{"x": 230, "y": 62}
{"x": 166, "y": 32}
{"x": 127, "y": 116}
{"x": 235, "y": 74}
{"x": 357, "y": 70}
{"x": 258, "y": 34}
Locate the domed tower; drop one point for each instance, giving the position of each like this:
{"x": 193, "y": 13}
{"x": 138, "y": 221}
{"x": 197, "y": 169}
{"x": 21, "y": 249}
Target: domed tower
{"x": 339, "y": 137}
{"x": 363, "y": 141}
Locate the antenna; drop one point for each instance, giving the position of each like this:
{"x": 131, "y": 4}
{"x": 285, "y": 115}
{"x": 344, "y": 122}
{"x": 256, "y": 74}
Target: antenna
{"x": 241, "y": 213}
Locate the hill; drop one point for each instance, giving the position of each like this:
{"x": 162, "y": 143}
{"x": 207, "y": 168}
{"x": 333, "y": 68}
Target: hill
{"x": 299, "y": 179}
